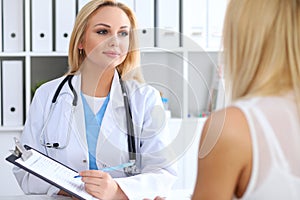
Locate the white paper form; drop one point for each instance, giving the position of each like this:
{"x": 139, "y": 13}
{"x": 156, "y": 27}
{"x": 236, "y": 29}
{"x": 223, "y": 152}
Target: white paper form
{"x": 55, "y": 172}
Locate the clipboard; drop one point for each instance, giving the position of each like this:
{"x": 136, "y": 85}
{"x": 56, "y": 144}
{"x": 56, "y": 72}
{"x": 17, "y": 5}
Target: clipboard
{"x": 48, "y": 169}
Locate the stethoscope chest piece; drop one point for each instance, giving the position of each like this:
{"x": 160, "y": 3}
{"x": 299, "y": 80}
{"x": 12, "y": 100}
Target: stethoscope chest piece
{"x": 132, "y": 169}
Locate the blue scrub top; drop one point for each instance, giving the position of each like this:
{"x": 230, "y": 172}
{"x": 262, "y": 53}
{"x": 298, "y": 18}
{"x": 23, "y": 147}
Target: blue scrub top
{"x": 93, "y": 123}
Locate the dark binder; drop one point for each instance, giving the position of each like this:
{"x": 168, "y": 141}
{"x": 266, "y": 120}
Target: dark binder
{"x": 29, "y": 159}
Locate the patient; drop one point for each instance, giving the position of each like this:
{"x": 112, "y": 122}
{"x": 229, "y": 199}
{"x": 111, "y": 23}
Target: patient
{"x": 250, "y": 149}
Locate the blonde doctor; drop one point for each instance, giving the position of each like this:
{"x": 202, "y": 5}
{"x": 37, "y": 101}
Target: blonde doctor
{"x": 83, "y": 119}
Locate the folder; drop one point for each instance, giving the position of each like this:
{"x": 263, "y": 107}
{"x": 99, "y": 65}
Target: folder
{"x": 1, "y": 113}
{"x": 13, "y": 25}
{"x": 145, "y": 17}
{"x": 195, "y": 23}
{"x": 12, "y": 92}
{"x": 48, "y": 169}
{"x": 216, "y": 14}
{"x": 1, "y": 30}
{"x": 81, "y": 3}
{"x": 167, "y": 27}
{"x": 65, "y": 13}
{"x": 41, "y": 23}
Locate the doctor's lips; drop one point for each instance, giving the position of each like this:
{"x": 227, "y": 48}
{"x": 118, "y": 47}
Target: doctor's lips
{"x": 112, "y": 54}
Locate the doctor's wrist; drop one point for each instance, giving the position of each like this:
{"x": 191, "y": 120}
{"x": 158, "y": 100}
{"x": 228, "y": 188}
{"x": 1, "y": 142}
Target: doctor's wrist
{"x": 120, "y": 194}
{"x": 61, "y": 192}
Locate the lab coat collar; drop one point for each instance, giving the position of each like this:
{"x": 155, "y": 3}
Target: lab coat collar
{"x": 116, "y": 100}
{"x": 79, "y": 113}
{"x": 116, "y": 96}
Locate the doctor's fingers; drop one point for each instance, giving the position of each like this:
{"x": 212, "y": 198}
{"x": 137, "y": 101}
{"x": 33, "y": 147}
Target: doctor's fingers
{"x": 160, "y": 198}
{"x": 94, "y": 190}
{"x": 102, "y": 191}
{"x": 100, "y": 179}
{"x": 157, "y": 198}
{"x": 93, "y": 173}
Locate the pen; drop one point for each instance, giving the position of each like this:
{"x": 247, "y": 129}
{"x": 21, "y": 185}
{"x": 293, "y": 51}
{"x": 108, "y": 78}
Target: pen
{"x": 107, "y": 169}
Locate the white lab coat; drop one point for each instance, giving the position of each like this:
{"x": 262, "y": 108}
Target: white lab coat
{"x": 154, "y": 154}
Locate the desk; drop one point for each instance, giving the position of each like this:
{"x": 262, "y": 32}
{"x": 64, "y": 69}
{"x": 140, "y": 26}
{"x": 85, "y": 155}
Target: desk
{"x": 34, "y": 197}
{"x": 175, "y": 195}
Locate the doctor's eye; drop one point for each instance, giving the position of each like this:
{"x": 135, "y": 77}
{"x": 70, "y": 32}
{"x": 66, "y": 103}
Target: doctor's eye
{"x": 102, "y": 32}
{"x": 124, "y": 33}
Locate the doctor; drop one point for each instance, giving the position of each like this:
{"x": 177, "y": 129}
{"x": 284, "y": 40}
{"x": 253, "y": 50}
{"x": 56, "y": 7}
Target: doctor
{"x": 85, "y": 124}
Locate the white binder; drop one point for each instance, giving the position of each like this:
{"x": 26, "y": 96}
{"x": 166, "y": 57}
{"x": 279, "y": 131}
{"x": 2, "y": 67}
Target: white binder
{"x": 1, "y": 100}
{"x": 13, "y": 23}
{"x": 0, "y": 37}
{"x": 65, "y": 12}
{"x": 195, "y": 23}
{"x": 145, "y": 17}
{"x": 168, "y": 19}
{"x": 81, "y": 3}
{"x": 41, "y": 16}
{"x": 12, "y": 91}
{"x": 216, "y": 14}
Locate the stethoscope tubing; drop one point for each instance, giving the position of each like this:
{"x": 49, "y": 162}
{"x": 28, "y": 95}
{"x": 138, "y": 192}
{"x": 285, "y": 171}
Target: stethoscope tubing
{"x": 129, "y": 123}
{"x": 130, "y": 129}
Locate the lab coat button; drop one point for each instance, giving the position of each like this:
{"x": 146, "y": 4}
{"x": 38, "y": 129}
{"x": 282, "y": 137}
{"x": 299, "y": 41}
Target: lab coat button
{"x": 84, "y": 161}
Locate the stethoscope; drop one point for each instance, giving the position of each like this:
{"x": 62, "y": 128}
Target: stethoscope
{"x": 130, "y": 169}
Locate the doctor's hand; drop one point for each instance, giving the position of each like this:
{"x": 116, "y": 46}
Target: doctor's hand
{"x": 101, "y": 185}
{"x": 63, "y": 193}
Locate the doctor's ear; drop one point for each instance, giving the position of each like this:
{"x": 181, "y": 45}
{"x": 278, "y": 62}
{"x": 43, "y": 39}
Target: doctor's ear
{"x": 80, "y": 45}
{"x": 80, "y": 48}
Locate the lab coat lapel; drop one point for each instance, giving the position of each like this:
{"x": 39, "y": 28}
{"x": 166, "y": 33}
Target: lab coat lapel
{"x": 116, "y": 92}
{"x": 111, "y": 141}
{"x": 114, "y": 104}
{"x": 78, "y": 120}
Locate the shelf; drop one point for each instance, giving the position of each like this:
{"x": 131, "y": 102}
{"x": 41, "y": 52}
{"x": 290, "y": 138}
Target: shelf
{"x": 144, "y": 50}
{"x": 48, "y": 54}
{"x": 11, "y": 128}
{"x": 15, "y": 54}
{"x": 33, "y": 54}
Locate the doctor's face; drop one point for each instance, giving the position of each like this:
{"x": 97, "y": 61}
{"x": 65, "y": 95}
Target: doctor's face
{"x": 106, "y": 39}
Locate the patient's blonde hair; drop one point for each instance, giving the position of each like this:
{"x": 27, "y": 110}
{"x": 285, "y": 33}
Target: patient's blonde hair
{"x": 262, "y": 47}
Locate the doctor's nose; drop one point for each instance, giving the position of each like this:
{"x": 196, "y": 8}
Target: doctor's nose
{"x": 113, "y": 41}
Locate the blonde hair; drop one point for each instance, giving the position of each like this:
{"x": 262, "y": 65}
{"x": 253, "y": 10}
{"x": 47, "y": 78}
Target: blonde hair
{"x": 130, "y": 66}
{"x": 261, "y": 48}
